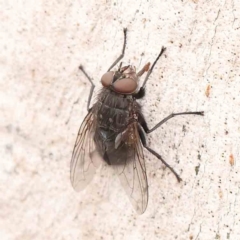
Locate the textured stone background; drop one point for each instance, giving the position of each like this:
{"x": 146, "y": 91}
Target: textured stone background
{"x": 43, "y": 101}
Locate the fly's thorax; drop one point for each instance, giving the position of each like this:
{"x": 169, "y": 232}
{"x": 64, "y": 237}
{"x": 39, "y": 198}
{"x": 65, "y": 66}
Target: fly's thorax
{"x": 115, "y": 100}
{"x": 123, "y": 81}
{"x": 115, "y": 111}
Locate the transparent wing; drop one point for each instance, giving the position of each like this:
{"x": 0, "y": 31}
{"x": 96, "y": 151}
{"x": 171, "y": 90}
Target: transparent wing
{"x": 85, "y": 159}
{"x": 128, "y": 161}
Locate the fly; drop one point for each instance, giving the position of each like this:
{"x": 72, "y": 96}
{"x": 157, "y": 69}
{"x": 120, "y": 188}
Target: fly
{"x": 114, "y": 132}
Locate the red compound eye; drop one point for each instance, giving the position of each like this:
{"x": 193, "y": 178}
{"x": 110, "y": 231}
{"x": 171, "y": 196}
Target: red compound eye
{"x": 125, "y": 85}
{"x": 107, "y": 79}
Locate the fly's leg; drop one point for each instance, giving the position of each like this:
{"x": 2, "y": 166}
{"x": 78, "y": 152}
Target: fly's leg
{"x": 143, "y": 140}
{"x": 147, "y": 130}
{"x": 123, "y": 50}
{"x": 92, "y": 87}
{"x": 151, "y": 69}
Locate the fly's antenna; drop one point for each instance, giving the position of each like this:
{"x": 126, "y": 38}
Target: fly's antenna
{"x": 125, "y": 68}
{"x": 120, "y": 65}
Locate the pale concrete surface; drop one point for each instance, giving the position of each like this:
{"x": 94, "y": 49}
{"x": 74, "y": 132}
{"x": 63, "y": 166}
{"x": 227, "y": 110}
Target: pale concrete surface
{"x": 43, "y": 101}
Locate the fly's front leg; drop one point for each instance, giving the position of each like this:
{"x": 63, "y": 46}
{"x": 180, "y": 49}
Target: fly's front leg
{"x": 147, "y": 130}
{"x": 141, "y": 91}
{"x": 123, "y": 50}
{"x": 143, "y": 140}
{"x": 92, "y": 87}
{"x": 151, "y": 69}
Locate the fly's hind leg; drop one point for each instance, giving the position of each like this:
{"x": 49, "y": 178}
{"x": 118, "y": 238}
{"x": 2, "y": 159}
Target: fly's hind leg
{"x": 92, "y": 87}
{"x": 143, "y": 140}
{"x": 123, "y": 50}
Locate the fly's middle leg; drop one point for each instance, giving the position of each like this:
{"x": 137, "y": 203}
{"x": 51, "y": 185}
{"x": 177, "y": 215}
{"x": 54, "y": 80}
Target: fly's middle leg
{"x": 143, "y": 140}
{"x": 147, "y": 130}
{"x": 92, "y": 87}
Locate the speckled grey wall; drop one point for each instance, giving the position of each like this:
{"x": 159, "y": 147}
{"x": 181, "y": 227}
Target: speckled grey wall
{"x": 43, "y": 100}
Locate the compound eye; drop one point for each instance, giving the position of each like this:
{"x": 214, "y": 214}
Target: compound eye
{"x": 125, "y": 85}
{"x": 107, "y": 79}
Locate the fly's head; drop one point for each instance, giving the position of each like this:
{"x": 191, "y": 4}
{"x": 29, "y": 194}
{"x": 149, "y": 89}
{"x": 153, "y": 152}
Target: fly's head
{"x": 124, "y": 80}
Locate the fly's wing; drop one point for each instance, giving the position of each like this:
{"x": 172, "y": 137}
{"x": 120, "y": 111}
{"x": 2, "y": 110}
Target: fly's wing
{"x": 128, "y": 161}
{"x": 85, "y": 159}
